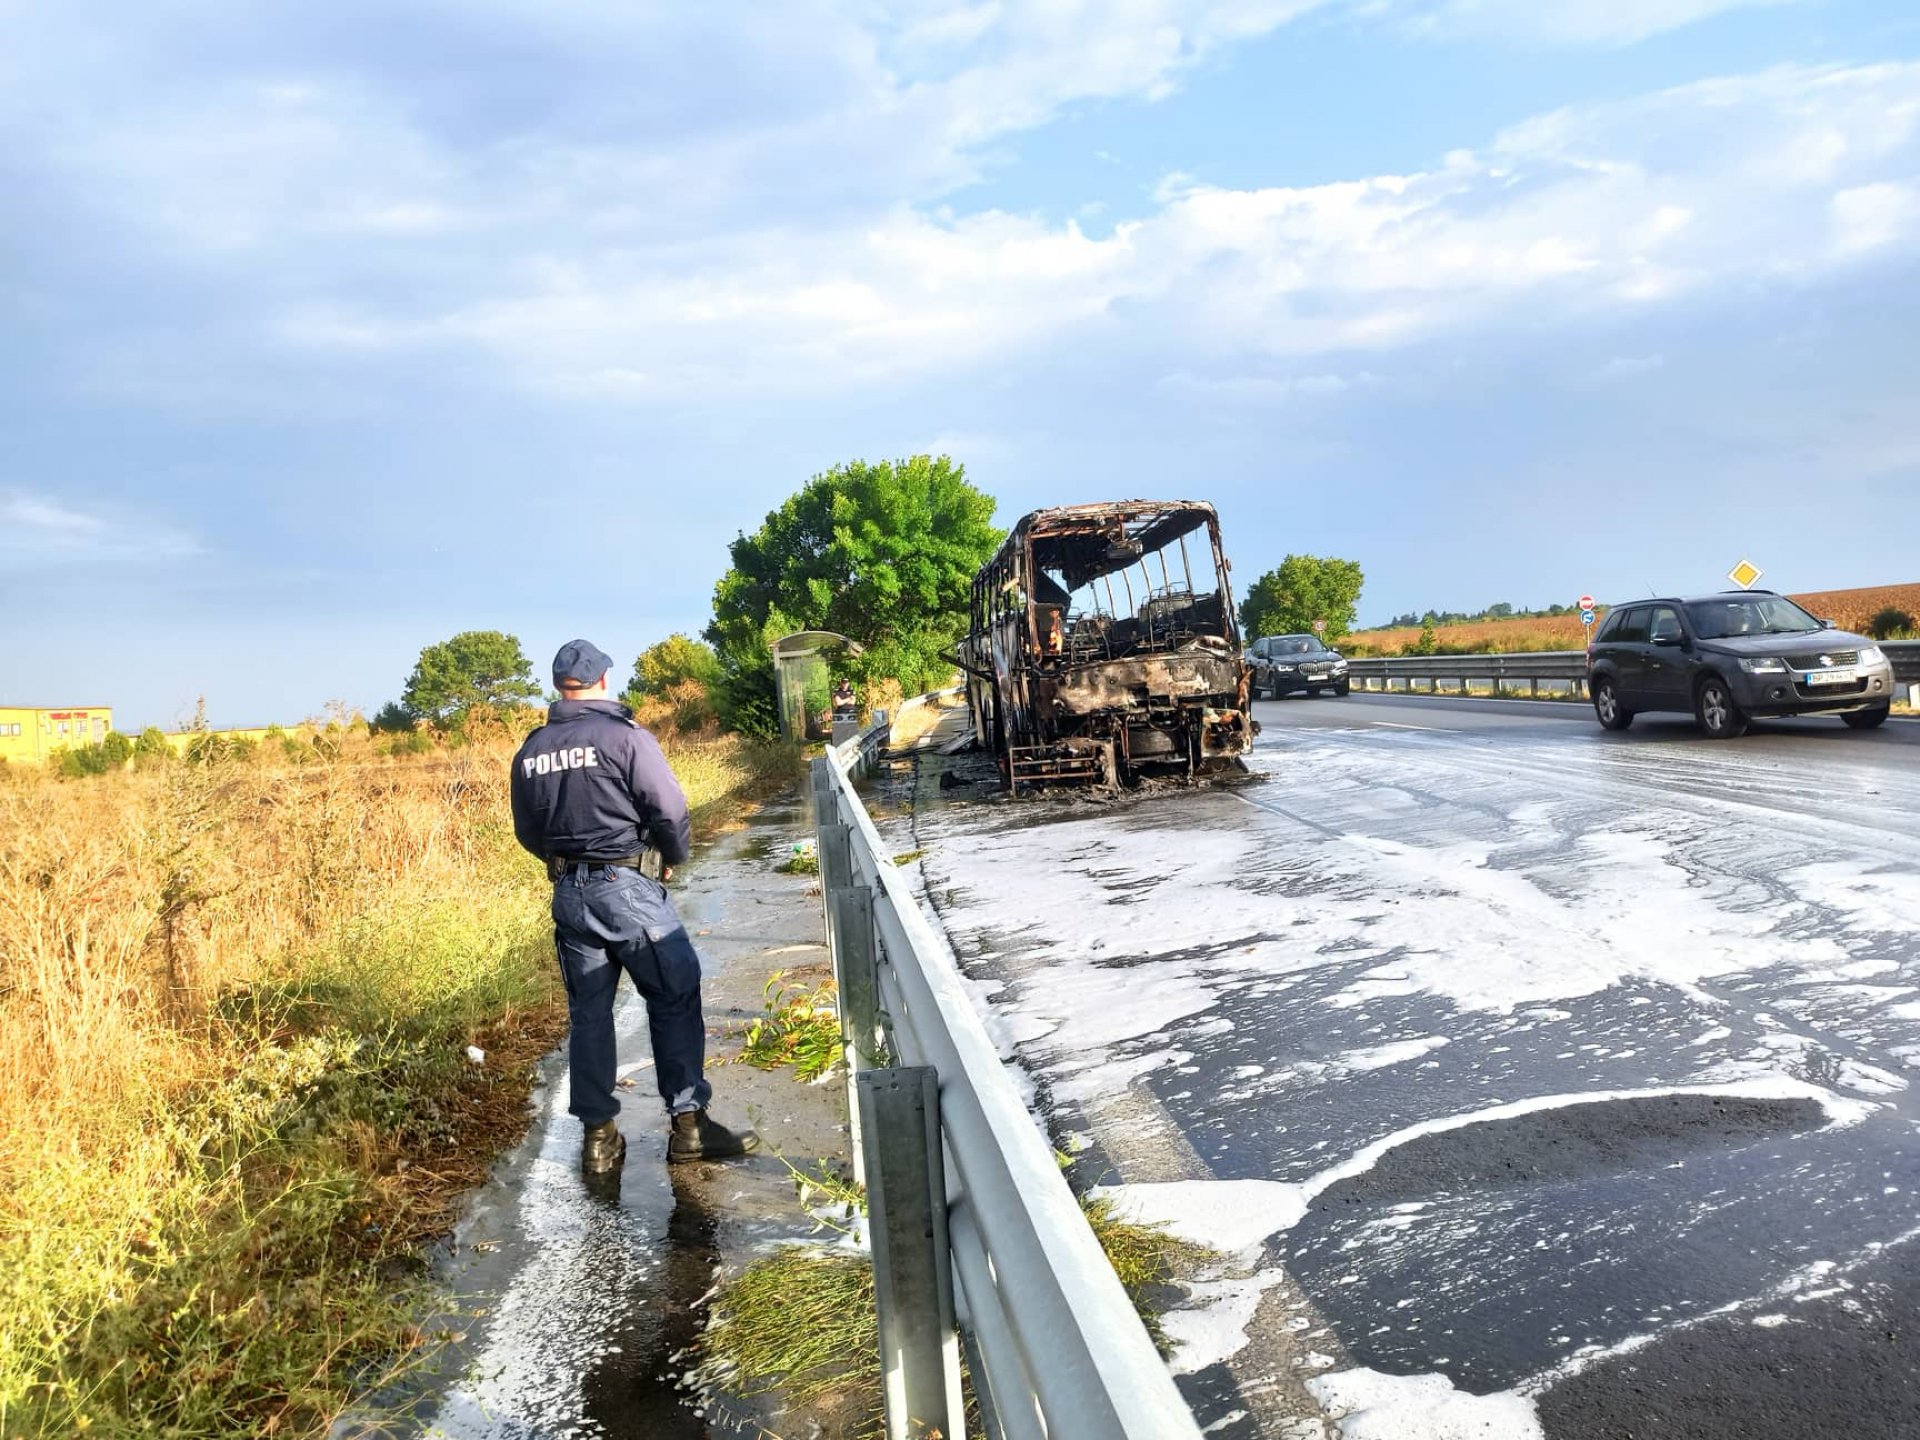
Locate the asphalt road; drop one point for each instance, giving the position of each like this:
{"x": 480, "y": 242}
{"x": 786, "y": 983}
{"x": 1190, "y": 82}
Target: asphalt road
{"x": 1538, "y": 1081}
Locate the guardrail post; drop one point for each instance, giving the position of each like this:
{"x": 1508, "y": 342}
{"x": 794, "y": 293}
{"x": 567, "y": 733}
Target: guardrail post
{"x": 824, "y": 809}
{"x": 912, "y": 1267}
{"x": 856, "y": 982}
{"x": 834, "y": 850}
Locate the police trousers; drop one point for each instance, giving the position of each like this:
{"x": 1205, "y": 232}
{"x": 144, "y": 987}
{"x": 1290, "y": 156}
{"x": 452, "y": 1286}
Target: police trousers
{"x": 605, "y": 920}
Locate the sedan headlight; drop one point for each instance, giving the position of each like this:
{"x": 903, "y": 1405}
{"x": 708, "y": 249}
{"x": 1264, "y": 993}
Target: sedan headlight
{"x": 1764, "y": 666}
{"x": 1872, "y": 655}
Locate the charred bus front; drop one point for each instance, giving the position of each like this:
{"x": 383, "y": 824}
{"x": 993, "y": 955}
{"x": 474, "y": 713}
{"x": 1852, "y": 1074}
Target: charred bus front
{"x": 1103, "y": 645}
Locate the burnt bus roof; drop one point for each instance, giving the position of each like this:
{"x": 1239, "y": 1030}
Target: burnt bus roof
{"x": 1074, "y": 540}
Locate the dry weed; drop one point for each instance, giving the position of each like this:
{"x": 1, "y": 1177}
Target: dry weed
{"x": 235, "y": 1004}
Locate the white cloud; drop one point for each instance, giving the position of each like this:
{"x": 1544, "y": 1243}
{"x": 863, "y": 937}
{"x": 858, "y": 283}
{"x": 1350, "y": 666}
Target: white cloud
{"x": 43, "y": 532}
{"x": 1561, "y": 22}
{"x": 968, "y": 447}
{"x": 1630, "y": 367}
{"x": 1250, "y": 387}
{"x": 47, "y": 518}
{"x": 827, "y": 104}
{"x": 1586, "y": 212}
{"x": 1872, "y": 217}
{"x": 793, "y": 239}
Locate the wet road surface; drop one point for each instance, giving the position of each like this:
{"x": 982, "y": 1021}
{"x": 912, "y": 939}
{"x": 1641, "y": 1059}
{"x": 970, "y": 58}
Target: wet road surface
{"x": 1537, "y": 1081}
{"x": 580, "y": 1295}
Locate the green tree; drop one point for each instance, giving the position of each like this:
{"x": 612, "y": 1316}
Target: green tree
{"x": 671, "y": 662}
{"x": 884, "y": 554}
{"x": 392, "y": 718}
{"x": 475, "y": 667}
{"x": 1303, "y": 589}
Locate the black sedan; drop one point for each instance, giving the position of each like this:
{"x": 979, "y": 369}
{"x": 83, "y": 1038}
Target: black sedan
{"x": 1286, "y": 664}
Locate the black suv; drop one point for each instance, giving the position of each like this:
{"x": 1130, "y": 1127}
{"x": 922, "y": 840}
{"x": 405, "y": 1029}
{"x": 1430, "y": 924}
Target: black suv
{"x": 1727, "y": 658}
{"x": 1282, "y": 664}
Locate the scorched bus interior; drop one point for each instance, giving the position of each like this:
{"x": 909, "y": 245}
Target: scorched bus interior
{"x": 1103, "y": 643}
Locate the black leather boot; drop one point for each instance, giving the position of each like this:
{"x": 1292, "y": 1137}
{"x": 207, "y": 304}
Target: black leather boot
{"x": 603, "y": 1149}
{"x": 696, "y": 1136}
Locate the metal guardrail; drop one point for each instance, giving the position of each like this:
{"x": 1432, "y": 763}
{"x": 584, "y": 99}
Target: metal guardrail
{"x": 1905, "y": 655}
{"x": 1007, "y": 1266}
{"x": 1569, "y": 666}
{"x": 1566, "y": 666}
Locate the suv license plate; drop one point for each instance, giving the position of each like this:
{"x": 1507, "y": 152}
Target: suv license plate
{"x": 1832, "y": 677}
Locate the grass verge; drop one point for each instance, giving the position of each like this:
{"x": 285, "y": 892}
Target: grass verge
{"x": 802, "y": 1320}
{"x": 1145, "y": 1258}
{"x": 237, "y": 1002}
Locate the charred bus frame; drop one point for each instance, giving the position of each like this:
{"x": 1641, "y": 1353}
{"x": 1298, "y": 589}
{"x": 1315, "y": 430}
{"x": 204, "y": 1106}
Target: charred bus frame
{"x": 1103, "y": 645}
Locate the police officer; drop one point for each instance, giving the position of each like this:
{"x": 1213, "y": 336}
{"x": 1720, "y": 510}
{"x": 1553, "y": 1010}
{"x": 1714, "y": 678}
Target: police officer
{"x": 594, "y": 798}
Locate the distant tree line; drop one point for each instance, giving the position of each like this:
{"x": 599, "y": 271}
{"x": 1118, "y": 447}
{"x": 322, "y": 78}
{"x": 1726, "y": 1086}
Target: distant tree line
{"x": 1502, "y": 611}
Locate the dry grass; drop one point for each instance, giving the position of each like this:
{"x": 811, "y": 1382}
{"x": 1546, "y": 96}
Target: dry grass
{"x": 912, "y": 725}
{"x": 1852, "y": 609}
{"x": 1479, "y": 637}
{"x": 235, "y": 1006}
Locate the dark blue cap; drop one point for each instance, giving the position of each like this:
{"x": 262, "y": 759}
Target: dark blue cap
{"x": 579, "y": 662}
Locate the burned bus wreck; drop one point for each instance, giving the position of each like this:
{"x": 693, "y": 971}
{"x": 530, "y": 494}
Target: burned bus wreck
{"x": 1103, "y": 646}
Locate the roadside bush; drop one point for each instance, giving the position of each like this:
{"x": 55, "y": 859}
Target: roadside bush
{"x": 1891, "y": 624}
{"x": 78, "y": 761}
{"x": 672, "y": 662}
{"x": 410, "y": 742}
{"x": 151, "y": 749}
{"x": 684, "y": 708}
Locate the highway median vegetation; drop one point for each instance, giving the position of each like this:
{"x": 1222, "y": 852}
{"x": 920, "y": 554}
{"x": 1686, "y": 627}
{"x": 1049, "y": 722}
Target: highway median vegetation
{"x": 264, "y": 1017}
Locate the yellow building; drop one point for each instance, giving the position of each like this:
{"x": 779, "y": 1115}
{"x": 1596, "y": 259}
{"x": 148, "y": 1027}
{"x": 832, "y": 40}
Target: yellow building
{"x": 30, "y": 735}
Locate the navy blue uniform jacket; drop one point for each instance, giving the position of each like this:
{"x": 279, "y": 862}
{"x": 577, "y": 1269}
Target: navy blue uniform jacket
{"x": 592, "y": 785}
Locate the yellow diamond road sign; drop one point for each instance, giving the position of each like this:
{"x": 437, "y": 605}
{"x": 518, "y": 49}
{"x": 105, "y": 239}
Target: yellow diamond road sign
{"x": 1744, "y": 574}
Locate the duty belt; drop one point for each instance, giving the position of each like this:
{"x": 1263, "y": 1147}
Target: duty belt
{"x": 647, "y": 862}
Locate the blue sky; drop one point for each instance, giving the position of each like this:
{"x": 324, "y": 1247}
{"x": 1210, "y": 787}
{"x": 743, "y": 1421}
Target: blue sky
{"x": 330, "y": 331}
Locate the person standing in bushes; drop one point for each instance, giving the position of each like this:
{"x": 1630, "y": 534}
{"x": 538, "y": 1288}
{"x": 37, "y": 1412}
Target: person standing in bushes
{"x": 594, "y": 798}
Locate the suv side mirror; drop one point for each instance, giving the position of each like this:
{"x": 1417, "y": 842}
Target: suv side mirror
{"x": 1670, "y": 641}
{"x": 1826, "y": 624}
